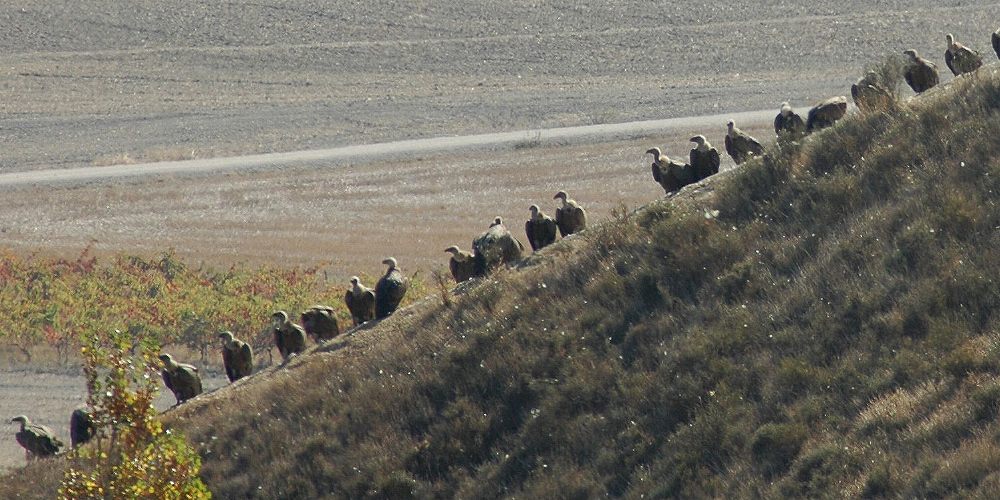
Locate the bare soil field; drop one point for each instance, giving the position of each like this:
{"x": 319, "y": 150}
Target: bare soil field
{"x": 100, "y": 82}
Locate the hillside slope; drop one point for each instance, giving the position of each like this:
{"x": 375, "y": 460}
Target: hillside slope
{"x": 831, "y": 332}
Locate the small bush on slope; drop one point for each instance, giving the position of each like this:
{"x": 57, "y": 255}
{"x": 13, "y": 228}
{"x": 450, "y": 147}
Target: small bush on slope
{"x": 831, "y": 332}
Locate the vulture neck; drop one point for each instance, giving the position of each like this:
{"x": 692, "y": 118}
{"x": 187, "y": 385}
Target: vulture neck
{"x": 232, "y": 344}
{"x": 704, "y": 147}
{"x": 358, "y": 289}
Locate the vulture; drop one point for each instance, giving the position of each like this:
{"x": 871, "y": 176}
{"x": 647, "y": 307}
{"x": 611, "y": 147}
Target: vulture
{"x": 870, "y": 95}
{"x": 920, "y": 74}
{"x": 496, "y": 247}
{"x": 237, "y": 357}
{"x": 390, "y": 289}
{"x": 540, "y": 229}
{"x": 81, "y": 427}
{"x": 740, "y": 145}
{"x": 996, "y": 42}
{"x": 320, "y": 323}
{"x": 669, "y": 174}
{"x": 959, "y": 58}
{"x": 570, "y": 217}
{"x": 826, "y": 113}
{"x": 462, "y": 263}
{"x": 38, "y": 441}
{"x": 788, "y": 123}
{"x": 182, "y": 379}
{"x": 704, "y": 158}
{"x": 288, "y": 337}
{"x": 360, "y": 301}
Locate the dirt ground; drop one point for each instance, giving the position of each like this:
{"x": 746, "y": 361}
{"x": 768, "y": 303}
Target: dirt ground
{"x": 99, "y": 82}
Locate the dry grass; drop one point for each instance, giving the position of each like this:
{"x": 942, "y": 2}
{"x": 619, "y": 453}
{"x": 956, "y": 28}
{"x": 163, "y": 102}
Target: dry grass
{"x": 830, "y": 332}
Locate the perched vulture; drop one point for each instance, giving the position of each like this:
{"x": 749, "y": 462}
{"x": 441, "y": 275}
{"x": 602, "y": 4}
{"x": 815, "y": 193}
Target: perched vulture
{"x": 540, "y": 229}
{"x": 996, "y": 42}
{"x": 38, "y": 441}
{"x": 870, "y": 95}
{"x": 462, "y": 263}
{"x": 959, "y": 58}
{"x": 182, "y": 379}
{"x": 920, "y": 74}
{"x": 289, "y": 338}
{"x": 788, "y": 123}
{"x": 320, "y": 323}
{"x": 740, "y": 145}
{"x": 570, "y": 217}
{"x": 704, "y": 158}
{"x": 390, "y": 289}
{"x": 360, "y": 301}
{"x": 494, "y": 248}
{"x": 237, "y": 357}
{"x": 669, "y": 174}
{"x": 826, "y": 113}
{"x": 81, "y": 427}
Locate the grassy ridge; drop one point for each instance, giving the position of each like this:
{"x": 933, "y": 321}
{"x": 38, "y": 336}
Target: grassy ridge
{"x": 831, "y": 332}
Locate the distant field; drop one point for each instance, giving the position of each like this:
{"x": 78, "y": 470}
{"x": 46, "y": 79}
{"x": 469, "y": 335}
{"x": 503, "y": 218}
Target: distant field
{"x": 104, "y": 81}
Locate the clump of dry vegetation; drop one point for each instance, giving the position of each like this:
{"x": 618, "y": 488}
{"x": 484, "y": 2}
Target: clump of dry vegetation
{"x": 830, "y": 332}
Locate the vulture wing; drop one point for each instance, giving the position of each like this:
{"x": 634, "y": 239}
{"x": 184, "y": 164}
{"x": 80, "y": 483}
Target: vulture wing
{"x": 168, "y": 379}
{"x": 731, "y": 150}
{"x": 996, "y": 42}
{"x": 714, "y": 161}
{"x": 950, "y": 61}
{"x": 229, "y": 363}
{"x": 529, "y": 230}
{"x": 246, "y": 360}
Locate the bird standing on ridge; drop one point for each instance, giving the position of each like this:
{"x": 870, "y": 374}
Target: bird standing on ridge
{"x": 704, "y": 158}
{"x": 788, "y": 124}
{"x": 182, "y": 379}
{"x": 869, "y": 94}
{"x": 920, "y": 74}
{"x": 320, "y": 323}
{"x": 360, "y": 301}
{"x": 959, "y": 58}
{"x": 390, "y": 289}
{"x": 38, "y": 441}
{"x": 81, "y": 427}
{"x": 570, "y": 217}
{"x": 671, "y": 175}
{"x": 740, "y": 145}
{"x": 826, "y": 113}
{"x": 540, "y": 229}
{"x": 289, "y": 338}
{"x": 237, "y": 357}
{"x": 461, "y": 264}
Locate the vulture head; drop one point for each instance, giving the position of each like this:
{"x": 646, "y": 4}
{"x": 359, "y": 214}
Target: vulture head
{"x": 452, "y": 250}
{"x": 786, "y": 109}
{"x": 391, "y": 262}
{"x": 911, "y": 54}
{"x": 21, "y": 419}
{"x": 731, "y": 127}
{"x": 497, "y": 222}
{"x": 279, "y": 318}
{"x": 951, "y": 40}
{"x": 226, "y": 337}
{"x": 168, "y": 360}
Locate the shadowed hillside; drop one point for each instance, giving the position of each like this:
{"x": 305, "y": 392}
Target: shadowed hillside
{"x": 830, "y": 332}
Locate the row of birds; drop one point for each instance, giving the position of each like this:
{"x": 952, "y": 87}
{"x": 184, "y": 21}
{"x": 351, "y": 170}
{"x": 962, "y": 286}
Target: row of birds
{"x": 869, "y": 94}
{"x": 497, "y": 246}
{"x": 493, "y": 248}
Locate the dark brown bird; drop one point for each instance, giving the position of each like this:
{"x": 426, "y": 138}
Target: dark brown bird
{"x": 462, "y": 263}
{"x": 320, "y": 323}
{"x": 81, "y": 427}
{"x": 182, "y": 379}
{"x": 540, "y": 229}
{"x": 826, "y": 113}
{"x": 740, "y": 145}
{"x": 289, "y": 338}
{"x": 788, "y": 124}
{"x": 570, "y": 217}
{"x": 959, "y": 58}
{"x": 671, "y": 175}
{"x": 360, "y": 301}
{"x": 237, "y": 357}
{"x": 920, "y": 74}
{"x": 38, "y": 441}
{"x": 704, "y": 158}
{"x": 869, "y": 94}
{"x": 390, "y": 289}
